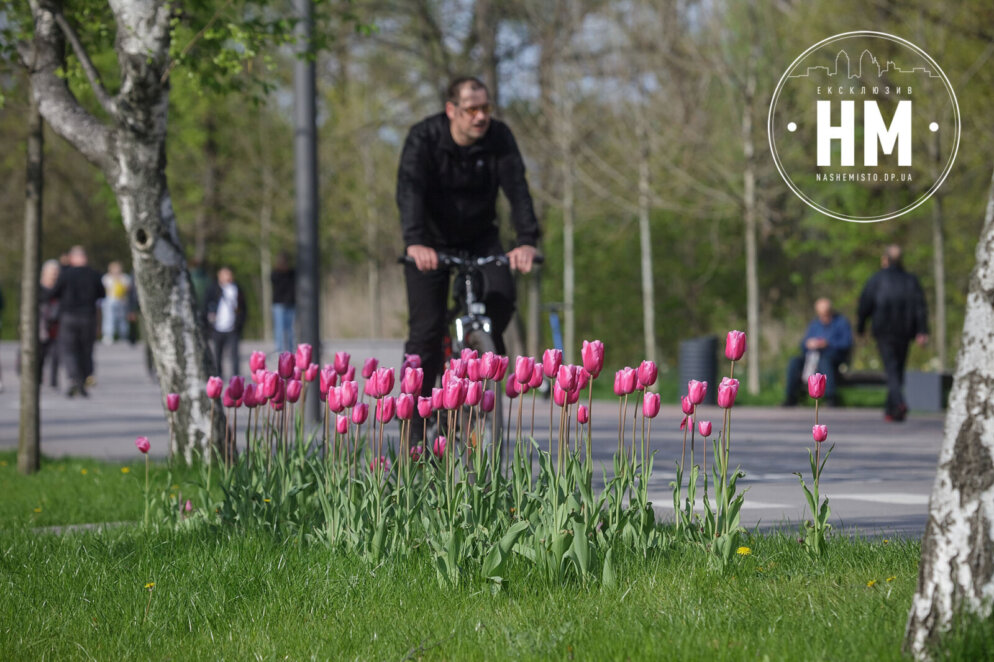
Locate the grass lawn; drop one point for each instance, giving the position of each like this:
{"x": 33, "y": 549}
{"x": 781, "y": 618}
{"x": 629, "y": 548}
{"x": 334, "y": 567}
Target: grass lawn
{"x": 231, "y": 594}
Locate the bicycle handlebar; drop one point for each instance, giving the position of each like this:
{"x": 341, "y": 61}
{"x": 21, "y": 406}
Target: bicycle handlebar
{"x": 449, "y": 260}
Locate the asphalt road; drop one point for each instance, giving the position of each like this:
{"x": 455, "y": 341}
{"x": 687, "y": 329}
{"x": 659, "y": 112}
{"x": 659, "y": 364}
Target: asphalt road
{"x": 878, "y": 478}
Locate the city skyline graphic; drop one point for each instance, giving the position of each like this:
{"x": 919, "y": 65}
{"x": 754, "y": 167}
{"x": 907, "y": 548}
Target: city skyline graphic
{"x": 844, "y": 66}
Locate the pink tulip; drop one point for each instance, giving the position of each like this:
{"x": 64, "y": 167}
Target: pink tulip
{"x": 816, "y": 385}
{"x": 285, "y": 365}
{"x": 501, "y": 367}
{"x": 293, "y": 389}
{"x": 458, "y": 367}
{"x": 474, "y": 393}
{"x": 551, "y": 360}
{"x": 436, "y": 399}
{"x": 341, "y": 362}
{"x": 448, "y": 376}
{"x": 142, "y": 444}
{"x": 593, "y": 357}
{"x": 237, "y": 386}
{"x": 350, "y": 394}
{"x": 172, "y": 401}
{"x": 454, "y": 394}
{"x": 359, "y": 413}
{"x": 368, "y": 367}
{"x": 566, "y": 377}
{"x": 819, "y": 432}
{"x": 538, "y": 376}
{"x": 424, "y": 407}
{"x": 405, "y": 406}
{"x": 629, "y": 378}
{"x": 280, "y": 396}
{"x": 487, "y": 401}
{"x": 410, "y": 361}
{"x": 704, "y": 427}
{"x": 618, "y": 386}
{"x": 188, "y": 506}
{"x": 650, "y": 404}
{"x": 227, "y": 400}
{"x": 696, "y": 391}
{"x": 735, "y": 345}
{"x": 312, "y": 372}
{"x": 349, "y": 375}
{"x": 342, "y": 424}
{"x": 646, "y": 374}
{"x": 298, "y": 374}
{"x": 214, "y": 386}
{"x": 258, "y": 376}
{"x": 582, "y": 378}
{"x": 250, "y": 398}
{"x": 384, "y": 381}
{"x": 417, "y": 452}
{"x": 270, "y": 385}
{"x": 385, "y": 408}
{"x": 727, "y": 390}
{"x": 686, "y": 405}
{"x": 335, "y": 399}
{"x": 257, "y": 361}
{"x": 303, "y": 356}
{"x": 412, "y": 381}
{"x": 277, "y": 405}
{"x": 369, "y": 388}
{"x": 489, "y": 363}
{"x": 468, "y": 353}
{"x": 582, "y": 415}
{"x": 572, "y": 397}
{"x": 523, "y": 367}
{"x": 438, "y": 447}
{"x": 327, "y": 378}
{"x": 512, "y": 388}
{"x": 559, "y": 396}
{"x": 473, "y": 370}
{"x": 384, "y": 464}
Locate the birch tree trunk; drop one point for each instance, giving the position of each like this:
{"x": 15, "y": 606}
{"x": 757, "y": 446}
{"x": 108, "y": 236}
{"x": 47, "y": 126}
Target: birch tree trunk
{"x": 956, "y": 574}
{"x": 130, "y": 149}
{"x": 645, "y": 237}
{"x": 569, "y": 274}
{"x": 29, "y": 441}
{"x": 749, "y": 207}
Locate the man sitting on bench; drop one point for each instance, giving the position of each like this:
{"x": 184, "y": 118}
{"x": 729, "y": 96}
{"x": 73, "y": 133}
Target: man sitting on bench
{"x": 826, "y": 345}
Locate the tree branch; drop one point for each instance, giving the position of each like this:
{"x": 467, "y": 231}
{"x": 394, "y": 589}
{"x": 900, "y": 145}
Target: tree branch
{"x": 107, "y": 102}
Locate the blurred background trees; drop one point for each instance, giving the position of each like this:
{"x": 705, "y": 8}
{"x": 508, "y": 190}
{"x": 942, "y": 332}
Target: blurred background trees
{"x": 643, "y": 129}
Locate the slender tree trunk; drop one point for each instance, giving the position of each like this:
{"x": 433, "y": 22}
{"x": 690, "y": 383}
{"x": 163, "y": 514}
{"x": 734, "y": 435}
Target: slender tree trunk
{"x": 569, "y": 278}
{"x": 29, "y": 444}
{"x": 645, "y": 238}
{"x": 956, "y": 574}
{"x": 486, "y": 32}
{"x": 939, "y": 263}
{"x": 266, "y": 250}
{"x": 749, "y": 207}
{"x": 372, "y": 245}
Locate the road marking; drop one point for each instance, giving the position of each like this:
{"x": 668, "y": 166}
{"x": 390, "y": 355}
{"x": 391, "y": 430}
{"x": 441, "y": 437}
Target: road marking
{"x": 895, "y": 498}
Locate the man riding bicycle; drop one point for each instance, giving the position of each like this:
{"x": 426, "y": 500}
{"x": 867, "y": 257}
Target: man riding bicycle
{"x": 450, "y": 169}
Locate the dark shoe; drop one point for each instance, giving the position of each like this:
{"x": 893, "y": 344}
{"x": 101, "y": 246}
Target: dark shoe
{"x": 72, "y": 392}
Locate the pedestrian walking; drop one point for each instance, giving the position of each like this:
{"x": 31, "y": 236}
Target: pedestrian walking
{"x": 78, "y": 289}
{"x": 226, "y": 316}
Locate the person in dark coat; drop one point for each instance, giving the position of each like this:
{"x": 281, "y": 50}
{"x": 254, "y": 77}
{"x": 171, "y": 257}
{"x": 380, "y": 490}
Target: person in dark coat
{"x": 284, "y": 280}
{"x": 825, "y": 346}
{"x": 78, "y": 290}
{"x": 451, "y": 168}
{"x": 226, "y": 315}
{"x": 895, "y": 301}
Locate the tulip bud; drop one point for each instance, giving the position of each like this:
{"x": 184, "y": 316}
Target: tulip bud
{"x": 350, "y": 394}
{"x": 512, "y": 388}
{"x": 473, "y": 370}
{"x": 293, "y": 389}
{"x": 385, "y": 408}
{"x": 566, "y": 377}
{"x": 468, "y": 353}
{"x": 502, "y": 364}
{"x": 214, "y": 386}
{"x": 487, "y": 401}
{"x": 582, "y": 415}
{"x": 303, "y": 356}
{"x": 819, "y": 433}
{"x": 438, "y": 447}
{"x": 249, "y": 397}
{"x": 523, "y": 367}
{"x": 816, "y": 385}
{"x": 417, "y": 452}
{"x": 696, "y": 391}
{"x": 454, "y": 394}
{"x": 727, "y": 390}
{"x": 551, "y": 360}
{"x": 237, "y": 386}
{"x": 458, "y": 367}
{"x": 474, "y": 393}
{"x": 143, "y": 444}
{"x": 279, "y": 397}
{"x": 704, "y": 427}
{"x": 629, "y": 378}
{"x": 270, "y": 385}
{"x": 559, "y": 396}
{"x": 369, "y": 367}
{"x": 582, "y": 378}
{"x": 188, "y": 506}
{"x": 735, "y": 345}
{"x": 650, "y": 404}
{"x": 341, "y": 362}
{"x": 424, "y": 407}
{"x": 538, "y": 376}
{"x": 647, "y": 373}
{"x": 298, "y": 374}
{"x": 258, "y": 376}
{"x": 311, "y": 373}
{"x": 384, "y": 464}
{"x": 384, "y": 381}
{"x": 227, "y": 400}
{"x": 359, "y": 413}
{"x": 618, "y": 386}
{"x": 172, "y": 401}
{"x": 593, "y": 357}
{"x": 405, "y": 406}
{"x": 686, "y": 405}
{"x": 327, "y": 378}
{"x": 257, "y": 361}
{"x": 335, "y": 399}
{"x": 342, "y": 424}
{"x": 412, "y": 381}
{"x": 349, "y": 375}
{"x": 436, "y": 399}
{"x": 489, "y": 363}
{"x": 369, "y": 387}
{"x": 285, "y": 365}
{"x": 410, "y": 361}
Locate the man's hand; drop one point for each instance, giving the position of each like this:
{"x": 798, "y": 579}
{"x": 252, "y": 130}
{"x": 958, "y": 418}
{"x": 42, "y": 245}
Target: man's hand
{"x": 816, "y": 343}
{"x": 425, "y": 257}
{"x": 521, "y": 258}
{"x": 921, "y": 339}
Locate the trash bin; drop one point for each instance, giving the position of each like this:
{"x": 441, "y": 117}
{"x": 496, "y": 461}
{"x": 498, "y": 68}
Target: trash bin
{"x": 698, "y": 359}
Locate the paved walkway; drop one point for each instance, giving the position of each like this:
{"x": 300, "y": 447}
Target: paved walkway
{"x": 878, "y": 478}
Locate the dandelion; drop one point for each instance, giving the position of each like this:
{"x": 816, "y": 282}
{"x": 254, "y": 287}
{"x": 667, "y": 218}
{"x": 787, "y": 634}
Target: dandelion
{"x": 891, "y": 578}
{"x": 743, "y": 551}
{"x": 82, "y": 471}
{"x": 150, "y": 585}
{"x": 266, "y": 500}
{"x": 886, "y": 541}
{"x": 871, "y": 583}
{"x": 3, "y": 463}
{"x": 125, "y": 470}
{"x": 38, "y": 509}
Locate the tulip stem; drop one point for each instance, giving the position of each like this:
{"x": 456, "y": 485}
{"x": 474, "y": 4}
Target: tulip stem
{"x": 146, "y": 489}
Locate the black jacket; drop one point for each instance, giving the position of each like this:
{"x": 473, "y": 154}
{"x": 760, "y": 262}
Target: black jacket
{"x": 284, "y": 286}
{"x": 896, "y": 302}
{"x": 214, "y": 298}
{"x": 78, "y": 289}
{"x": 447, "y": 194}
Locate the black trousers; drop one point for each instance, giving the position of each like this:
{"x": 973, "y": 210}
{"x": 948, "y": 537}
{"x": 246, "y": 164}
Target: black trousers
{"x": 226, "y": 341}
{"x": 894, "y": 355}
{"x": 427, "y": 298}
{"x": 77, "y": 333}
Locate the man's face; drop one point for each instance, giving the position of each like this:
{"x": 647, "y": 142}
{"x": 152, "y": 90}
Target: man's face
{"x": 224, "y": 276}
{"x": 823, "y": 309}
{"x": 470, "y": 118}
